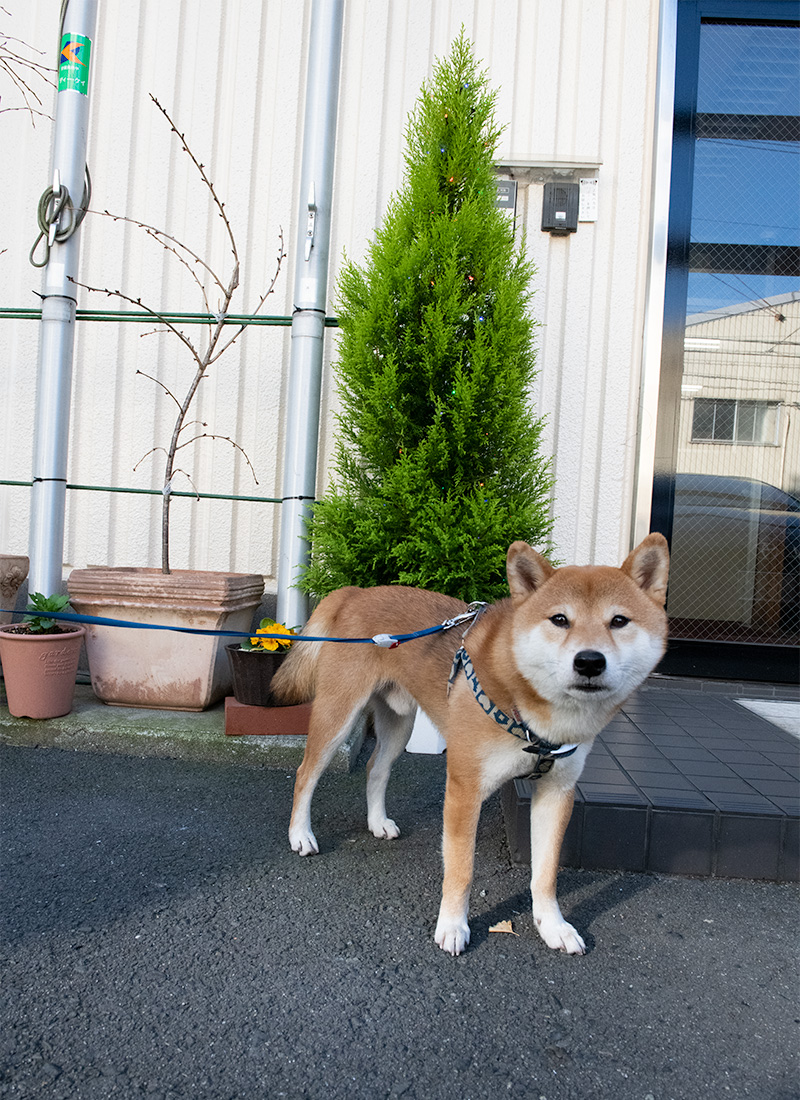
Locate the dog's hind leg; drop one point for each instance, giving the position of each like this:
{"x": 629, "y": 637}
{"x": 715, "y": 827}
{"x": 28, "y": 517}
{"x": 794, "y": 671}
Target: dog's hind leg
{"x": 321, "y": 745}
{"x": 393, "y": 718}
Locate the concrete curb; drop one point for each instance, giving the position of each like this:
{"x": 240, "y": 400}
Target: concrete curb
{"x": 93, "y": 726}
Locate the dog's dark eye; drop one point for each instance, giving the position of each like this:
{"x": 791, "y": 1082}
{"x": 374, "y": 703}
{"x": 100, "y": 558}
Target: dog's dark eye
{"x": 560, "y": 620}
{"x": 619, "y": 621}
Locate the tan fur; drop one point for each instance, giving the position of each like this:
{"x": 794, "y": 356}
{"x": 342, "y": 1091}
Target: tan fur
{"x": 524, "y": 657}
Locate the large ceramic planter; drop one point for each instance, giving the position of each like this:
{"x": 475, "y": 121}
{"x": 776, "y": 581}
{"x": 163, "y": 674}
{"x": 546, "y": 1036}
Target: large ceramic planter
{"x": 13, "y": 571}
{"x": 39, "y": 671}
{"x": 161, "y": 668}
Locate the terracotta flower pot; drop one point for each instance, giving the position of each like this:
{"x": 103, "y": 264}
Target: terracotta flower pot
{"x": 252, "y": 672}
{"x": 39, "y": 671}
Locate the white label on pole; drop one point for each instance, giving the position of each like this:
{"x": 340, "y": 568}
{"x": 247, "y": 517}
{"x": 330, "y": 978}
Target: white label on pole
{"x": 56, "y": 277}
{"x": 587, "y": 206}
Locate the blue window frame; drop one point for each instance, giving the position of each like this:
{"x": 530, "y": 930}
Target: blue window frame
{"x": 731, "y": 325}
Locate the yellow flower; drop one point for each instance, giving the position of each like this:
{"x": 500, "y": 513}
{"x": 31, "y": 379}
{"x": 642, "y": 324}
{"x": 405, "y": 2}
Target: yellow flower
{"x": 269, "y": 626}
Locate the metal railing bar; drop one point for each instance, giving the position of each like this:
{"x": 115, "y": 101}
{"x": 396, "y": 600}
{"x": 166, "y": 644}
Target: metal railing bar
{"x": 153, "y": 492}
{"x": 142, "y": 317}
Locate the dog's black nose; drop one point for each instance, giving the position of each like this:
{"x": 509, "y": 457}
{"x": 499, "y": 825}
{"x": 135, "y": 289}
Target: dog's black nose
{"x": 589, "y": 663}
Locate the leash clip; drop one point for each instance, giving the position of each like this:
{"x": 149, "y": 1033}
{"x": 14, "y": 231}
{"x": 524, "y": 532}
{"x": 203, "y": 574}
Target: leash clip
{"x": 474, "y": 611}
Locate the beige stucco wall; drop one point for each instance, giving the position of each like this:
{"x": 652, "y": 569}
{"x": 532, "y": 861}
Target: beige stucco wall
{"x": 576, "y": 82}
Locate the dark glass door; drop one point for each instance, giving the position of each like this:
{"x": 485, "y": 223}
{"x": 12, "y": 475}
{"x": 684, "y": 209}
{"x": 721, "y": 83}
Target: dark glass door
{"x": 727, "y": 489}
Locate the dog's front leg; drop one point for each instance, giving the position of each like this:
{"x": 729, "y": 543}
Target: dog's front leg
{"x": 551, "y": 808}
{"x": 462, "y": 808}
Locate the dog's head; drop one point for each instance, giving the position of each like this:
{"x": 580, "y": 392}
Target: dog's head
{"x": 589, "y": 632}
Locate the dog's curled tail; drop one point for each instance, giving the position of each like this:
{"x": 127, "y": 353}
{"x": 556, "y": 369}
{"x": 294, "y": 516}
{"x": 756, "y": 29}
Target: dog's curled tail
{"x": 295, "y": 680}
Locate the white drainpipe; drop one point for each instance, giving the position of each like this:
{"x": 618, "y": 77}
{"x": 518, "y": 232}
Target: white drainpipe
{"x": 310, "y": 303}
{"x": 51, "y": 433}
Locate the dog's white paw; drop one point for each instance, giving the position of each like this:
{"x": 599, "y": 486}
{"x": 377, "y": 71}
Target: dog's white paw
{"x": 561, "y": 936}
{"x": 452, "y": 936}
{"x": 384, "y": 829}
{"x": 303, "y": 842}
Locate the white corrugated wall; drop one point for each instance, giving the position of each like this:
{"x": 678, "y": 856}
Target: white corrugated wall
{"x": 576, "y": 81}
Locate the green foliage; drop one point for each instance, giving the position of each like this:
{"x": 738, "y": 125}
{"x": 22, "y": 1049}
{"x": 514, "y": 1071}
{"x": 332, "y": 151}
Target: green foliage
{"x": 437, "y": 463}
{"x": 40, "y": 624}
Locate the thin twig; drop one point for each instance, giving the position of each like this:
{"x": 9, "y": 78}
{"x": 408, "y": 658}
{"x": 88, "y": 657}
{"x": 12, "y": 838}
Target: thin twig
{"x": 226, "y": 439}
{"x": 189, "y": 424}
{"x": 138, "y": 302}
{"x": 18, "y": 69}
{"x": 158, "y": 382}
{"x": 152, "y": 451}
{"x": 270, "y": 289}
{"x": 182, "y": 260}
{"x": 157, "y": 233}
{"x": 201, "y": 169}
{"x": 188, "y": 478}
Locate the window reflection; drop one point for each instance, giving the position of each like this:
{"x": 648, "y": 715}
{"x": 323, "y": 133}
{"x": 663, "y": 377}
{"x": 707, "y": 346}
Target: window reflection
{"x": 736, "y": 521}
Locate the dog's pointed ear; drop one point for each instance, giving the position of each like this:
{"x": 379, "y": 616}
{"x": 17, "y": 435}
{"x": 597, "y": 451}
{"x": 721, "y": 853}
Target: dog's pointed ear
{"x": 648, "y": 566}
{"x": 527, "y": 570}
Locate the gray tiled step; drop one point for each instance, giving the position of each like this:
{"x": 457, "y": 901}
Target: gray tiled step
{"x": 682, "y": 783}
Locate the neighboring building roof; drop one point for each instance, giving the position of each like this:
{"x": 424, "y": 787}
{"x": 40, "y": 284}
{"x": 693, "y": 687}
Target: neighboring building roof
{"x": 743, "y": 307}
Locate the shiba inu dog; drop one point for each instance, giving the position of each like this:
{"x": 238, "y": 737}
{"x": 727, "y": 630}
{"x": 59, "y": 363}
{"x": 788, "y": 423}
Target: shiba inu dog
{"x": 519, "y": 688}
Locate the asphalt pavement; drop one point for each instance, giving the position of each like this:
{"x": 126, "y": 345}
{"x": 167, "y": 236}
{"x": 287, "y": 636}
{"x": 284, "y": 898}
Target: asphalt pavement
{"x": 160, "y": 940}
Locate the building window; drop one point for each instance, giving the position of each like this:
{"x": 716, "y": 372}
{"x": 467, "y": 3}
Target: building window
{"x": 725, "y": 421}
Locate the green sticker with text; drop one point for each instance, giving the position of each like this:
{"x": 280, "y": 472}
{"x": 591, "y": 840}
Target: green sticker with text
{"x": 73, "y": 65}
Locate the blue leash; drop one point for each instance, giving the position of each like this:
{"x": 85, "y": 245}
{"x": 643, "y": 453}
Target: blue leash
{"x": 385, "y": 641}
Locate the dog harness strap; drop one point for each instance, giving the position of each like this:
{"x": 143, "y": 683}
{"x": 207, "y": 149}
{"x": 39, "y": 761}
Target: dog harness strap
{"x": 547, "y": 753}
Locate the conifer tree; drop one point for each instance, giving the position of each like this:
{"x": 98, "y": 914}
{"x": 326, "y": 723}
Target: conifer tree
{"x": 437, "y": 460}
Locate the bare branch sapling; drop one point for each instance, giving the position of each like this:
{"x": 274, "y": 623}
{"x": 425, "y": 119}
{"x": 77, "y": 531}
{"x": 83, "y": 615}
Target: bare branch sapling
{"x": 203, "y": 355}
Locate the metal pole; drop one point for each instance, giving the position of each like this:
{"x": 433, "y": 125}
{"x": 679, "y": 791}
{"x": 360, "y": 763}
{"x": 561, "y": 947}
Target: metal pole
{"x": 653, "y": 330}
{"x": 51, "y": 433}
{"x": 310, "y": 293}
